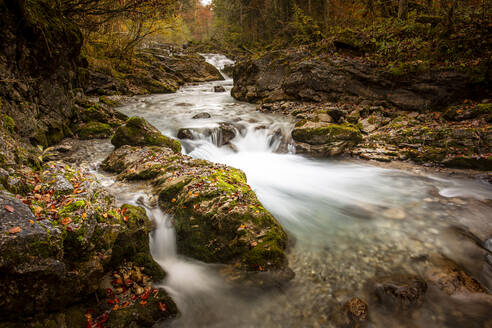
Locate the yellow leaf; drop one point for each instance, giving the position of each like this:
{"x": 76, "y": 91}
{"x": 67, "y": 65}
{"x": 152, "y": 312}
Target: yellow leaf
{"x": 37, "y": 188}
{"x": 173, "y": 200}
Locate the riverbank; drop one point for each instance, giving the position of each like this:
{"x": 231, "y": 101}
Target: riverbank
{"x": 352, "y": 106}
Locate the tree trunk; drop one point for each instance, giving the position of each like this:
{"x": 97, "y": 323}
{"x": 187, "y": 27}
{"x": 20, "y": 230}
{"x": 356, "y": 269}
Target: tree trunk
{"x": 403, "y": 9}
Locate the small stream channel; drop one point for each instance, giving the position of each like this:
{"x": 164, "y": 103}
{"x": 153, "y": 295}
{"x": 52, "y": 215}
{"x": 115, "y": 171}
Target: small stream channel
{"x": 349, "y": 221}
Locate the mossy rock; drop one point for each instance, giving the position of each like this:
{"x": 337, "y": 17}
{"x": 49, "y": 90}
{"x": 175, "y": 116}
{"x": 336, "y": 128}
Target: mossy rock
{"x": 138, "y": 132}
{"x": 469, "y": 162}
{"x": 9, "y": 123}
{"x": 146, "y": 314}
{"x": 95, "y": 130}
{"x": 323, "y": 134}
{"x": 133, "y": 242}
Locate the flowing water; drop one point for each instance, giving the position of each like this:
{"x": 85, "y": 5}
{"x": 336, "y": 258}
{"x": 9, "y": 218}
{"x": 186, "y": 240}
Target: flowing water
{"x": 350, "y": 221}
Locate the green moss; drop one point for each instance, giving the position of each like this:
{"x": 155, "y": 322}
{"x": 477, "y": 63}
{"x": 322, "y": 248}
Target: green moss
{"x": 137, "y": 132}
{"x": 328, "y": 133}
{"x": 95, "y": 130}
{"x": 72, "y": 207}
{"x": 9, "y": 123}
{"x": 107, "y": 101}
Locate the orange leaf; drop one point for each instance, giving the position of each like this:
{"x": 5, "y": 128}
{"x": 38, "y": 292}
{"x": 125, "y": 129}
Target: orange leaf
{"x": 105, "y": 215}
{"x": 14, "y": 230}
{"x": 143, "y": 302}
{"x": 123, "y": 211}
{"x": 37, "y": 188}
{"x": 84, "y": 215}
{"x": 31, "y": 221}
{"x": 173, "y": 200}
{"x": 116, "y": 307}
{"x": 9, "y": 208}
{"x": 66, "y": 221}
{"x": 125, "y": 218}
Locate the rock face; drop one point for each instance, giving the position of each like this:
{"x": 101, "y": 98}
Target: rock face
{"x": 138, "y": 132}
{"x": 325, "y": 139}
{"x": 39, "y": 53}
{"x": 353, "y": 314}
{"x": 217, "y": 216}
{"x": 294, "y": 74}
{"x": 56, "y": 249}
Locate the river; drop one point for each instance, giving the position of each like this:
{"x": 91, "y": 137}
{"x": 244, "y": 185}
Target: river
{"x": 348, "y": 221}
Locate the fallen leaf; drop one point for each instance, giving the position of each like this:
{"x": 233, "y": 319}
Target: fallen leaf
{"x": 37, "y": 188}
{"x": 37, "y": 210}
{"x": 84, "y": 215}
{"x": 14, "y": 230}
{"x": 9, "y": 208}
{"x": 124, "y": 211}
{"x": 66, "y": 221}
{"x": 31, "y": 221}
{"x": 173, "y": 200}
{"x": 162, "y": 307}
{"x": 143, "y": 302}
{"x": 125, "y": 218}
{"x": 116, "y": 307}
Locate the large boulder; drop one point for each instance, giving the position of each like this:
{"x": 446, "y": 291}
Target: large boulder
{"x": 138, "y": 132}
{"x": 217, "y": 216}
{"x": 321, "y": 139}
{"x": 57, "y": 249}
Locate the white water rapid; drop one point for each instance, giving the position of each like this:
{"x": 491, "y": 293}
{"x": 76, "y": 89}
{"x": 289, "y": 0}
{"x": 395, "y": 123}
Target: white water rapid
{"x": 350, "y": 220}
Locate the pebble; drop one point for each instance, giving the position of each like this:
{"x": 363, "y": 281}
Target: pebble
{"x": 394, "y": 213}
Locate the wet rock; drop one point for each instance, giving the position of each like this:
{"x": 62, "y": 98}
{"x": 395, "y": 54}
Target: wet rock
{"x": 219, "y": 88}
{"x": 221, "y": 135}
{"x": 228, "y": 69}
{"x": 201, "y": 116}
{"x": 62, "y": 186}
{"x": 450, "y": 277}
{"x": 325, "y": 139}
{"x": 353, "y": 314}
{"x": 218, "y": 218}
{"x": 399, "y": 292}
{"x": 138, "y": 132}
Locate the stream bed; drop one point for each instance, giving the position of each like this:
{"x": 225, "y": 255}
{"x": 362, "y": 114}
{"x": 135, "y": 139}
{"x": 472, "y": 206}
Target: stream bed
{"x": 348, "y": 221}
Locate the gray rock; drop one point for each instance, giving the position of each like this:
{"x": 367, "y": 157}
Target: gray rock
{"x": 201, "y": 116}
{"x": 62, "y": 186}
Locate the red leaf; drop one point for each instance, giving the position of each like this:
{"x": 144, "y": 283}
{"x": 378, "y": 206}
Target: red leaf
{"x": 9, "y": 208}
{"x": 162, "y": 307}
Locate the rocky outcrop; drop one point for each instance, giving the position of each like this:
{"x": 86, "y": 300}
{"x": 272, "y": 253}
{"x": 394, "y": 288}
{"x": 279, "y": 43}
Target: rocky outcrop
{"x": 57, "y": 245}
{"x": 138, "y": 132}
{"x": 39, "y": 55}
{"x": 295, "y": 74}
{"x": 154, "y": 71}
{"x": 388, "y": 134}
{"x": 216, "y": 214}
